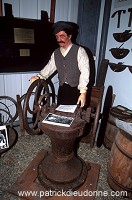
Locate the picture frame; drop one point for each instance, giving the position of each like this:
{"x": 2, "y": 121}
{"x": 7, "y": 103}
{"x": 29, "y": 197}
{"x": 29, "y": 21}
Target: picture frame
{"x": 4, "y": 143}
{"x": 58, "y": 120}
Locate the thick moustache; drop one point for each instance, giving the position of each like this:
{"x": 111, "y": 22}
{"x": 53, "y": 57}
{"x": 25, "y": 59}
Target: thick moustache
{"x": 61, "y": 42}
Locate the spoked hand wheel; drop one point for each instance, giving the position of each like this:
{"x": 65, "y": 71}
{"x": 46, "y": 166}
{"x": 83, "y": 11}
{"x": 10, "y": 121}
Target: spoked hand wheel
{"x": 36, "y": 96}
{"x": 8, "y": 110}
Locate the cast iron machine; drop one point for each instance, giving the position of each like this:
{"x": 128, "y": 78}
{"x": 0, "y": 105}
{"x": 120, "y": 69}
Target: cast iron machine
{"x": 61, "y": 168}
{"x": 42, "y": 92}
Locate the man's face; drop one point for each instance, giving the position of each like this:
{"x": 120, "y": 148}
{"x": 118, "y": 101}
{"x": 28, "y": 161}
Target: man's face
{"x": 63, "y": 39}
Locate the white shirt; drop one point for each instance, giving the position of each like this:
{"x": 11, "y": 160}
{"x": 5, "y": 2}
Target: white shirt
{"x": 83, "y": 65}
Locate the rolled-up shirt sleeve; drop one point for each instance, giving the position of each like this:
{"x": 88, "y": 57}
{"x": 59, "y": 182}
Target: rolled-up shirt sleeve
{"x": 83, "y": 65}
{"x": 49, "y": 69}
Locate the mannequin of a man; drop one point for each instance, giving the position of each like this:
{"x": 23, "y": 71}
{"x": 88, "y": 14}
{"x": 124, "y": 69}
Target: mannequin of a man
{"x": 72, "y": 64}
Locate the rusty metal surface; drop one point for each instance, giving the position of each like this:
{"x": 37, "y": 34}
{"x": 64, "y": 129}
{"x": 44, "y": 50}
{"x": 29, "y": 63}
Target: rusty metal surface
{"x": 28, "y": 181}
{"x": 41, "y": 94}
{"x": 81, "y": 117}
{"x": 66, "y": 175}
{"x": 40, "y": 99}
{"x": 39, "y": 90}
{"x": 62, "y": 169}
{"x": 95, "y": 104}
{"x": 85, "y": 114}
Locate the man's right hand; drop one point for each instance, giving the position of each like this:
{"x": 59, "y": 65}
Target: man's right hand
{"x": 33, "y": 78}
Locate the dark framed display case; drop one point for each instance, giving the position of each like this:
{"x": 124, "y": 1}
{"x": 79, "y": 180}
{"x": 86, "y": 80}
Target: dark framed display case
{"x": 25, "y": 44}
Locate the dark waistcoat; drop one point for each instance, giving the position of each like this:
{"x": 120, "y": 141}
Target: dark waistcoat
{"x": 67, "y": 66}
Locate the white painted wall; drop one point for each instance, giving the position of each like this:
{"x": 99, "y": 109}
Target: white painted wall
{"x": 120, "y": 81}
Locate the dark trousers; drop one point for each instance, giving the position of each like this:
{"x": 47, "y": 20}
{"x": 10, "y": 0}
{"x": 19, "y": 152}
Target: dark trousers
{"x": 67, "y": 95}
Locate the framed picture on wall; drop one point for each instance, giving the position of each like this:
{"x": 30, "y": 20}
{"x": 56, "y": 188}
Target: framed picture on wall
{"x": 3, "y": 137}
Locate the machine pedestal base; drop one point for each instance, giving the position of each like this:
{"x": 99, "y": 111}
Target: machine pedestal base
{"x": 28, "y": 181}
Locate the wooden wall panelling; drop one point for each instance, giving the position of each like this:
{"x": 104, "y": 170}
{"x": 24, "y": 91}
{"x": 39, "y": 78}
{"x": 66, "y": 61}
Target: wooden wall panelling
{"x": 43, "y": 5}
{"x": 73, "y": 13}
{"x": 28, "y": 9}
{"x": 25, "y": 85}
{"x": 12, "y": 84}
{"x": 63, "y": 9}
{"x": 2, "y": 93}
{"x": 25, "y": 81}
{"x": 2, "y": 86}
{"x": 25, "y": 9}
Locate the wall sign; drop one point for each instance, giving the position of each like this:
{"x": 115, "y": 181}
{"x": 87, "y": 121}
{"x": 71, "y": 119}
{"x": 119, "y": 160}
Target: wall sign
{"x": 23, "y": 35}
